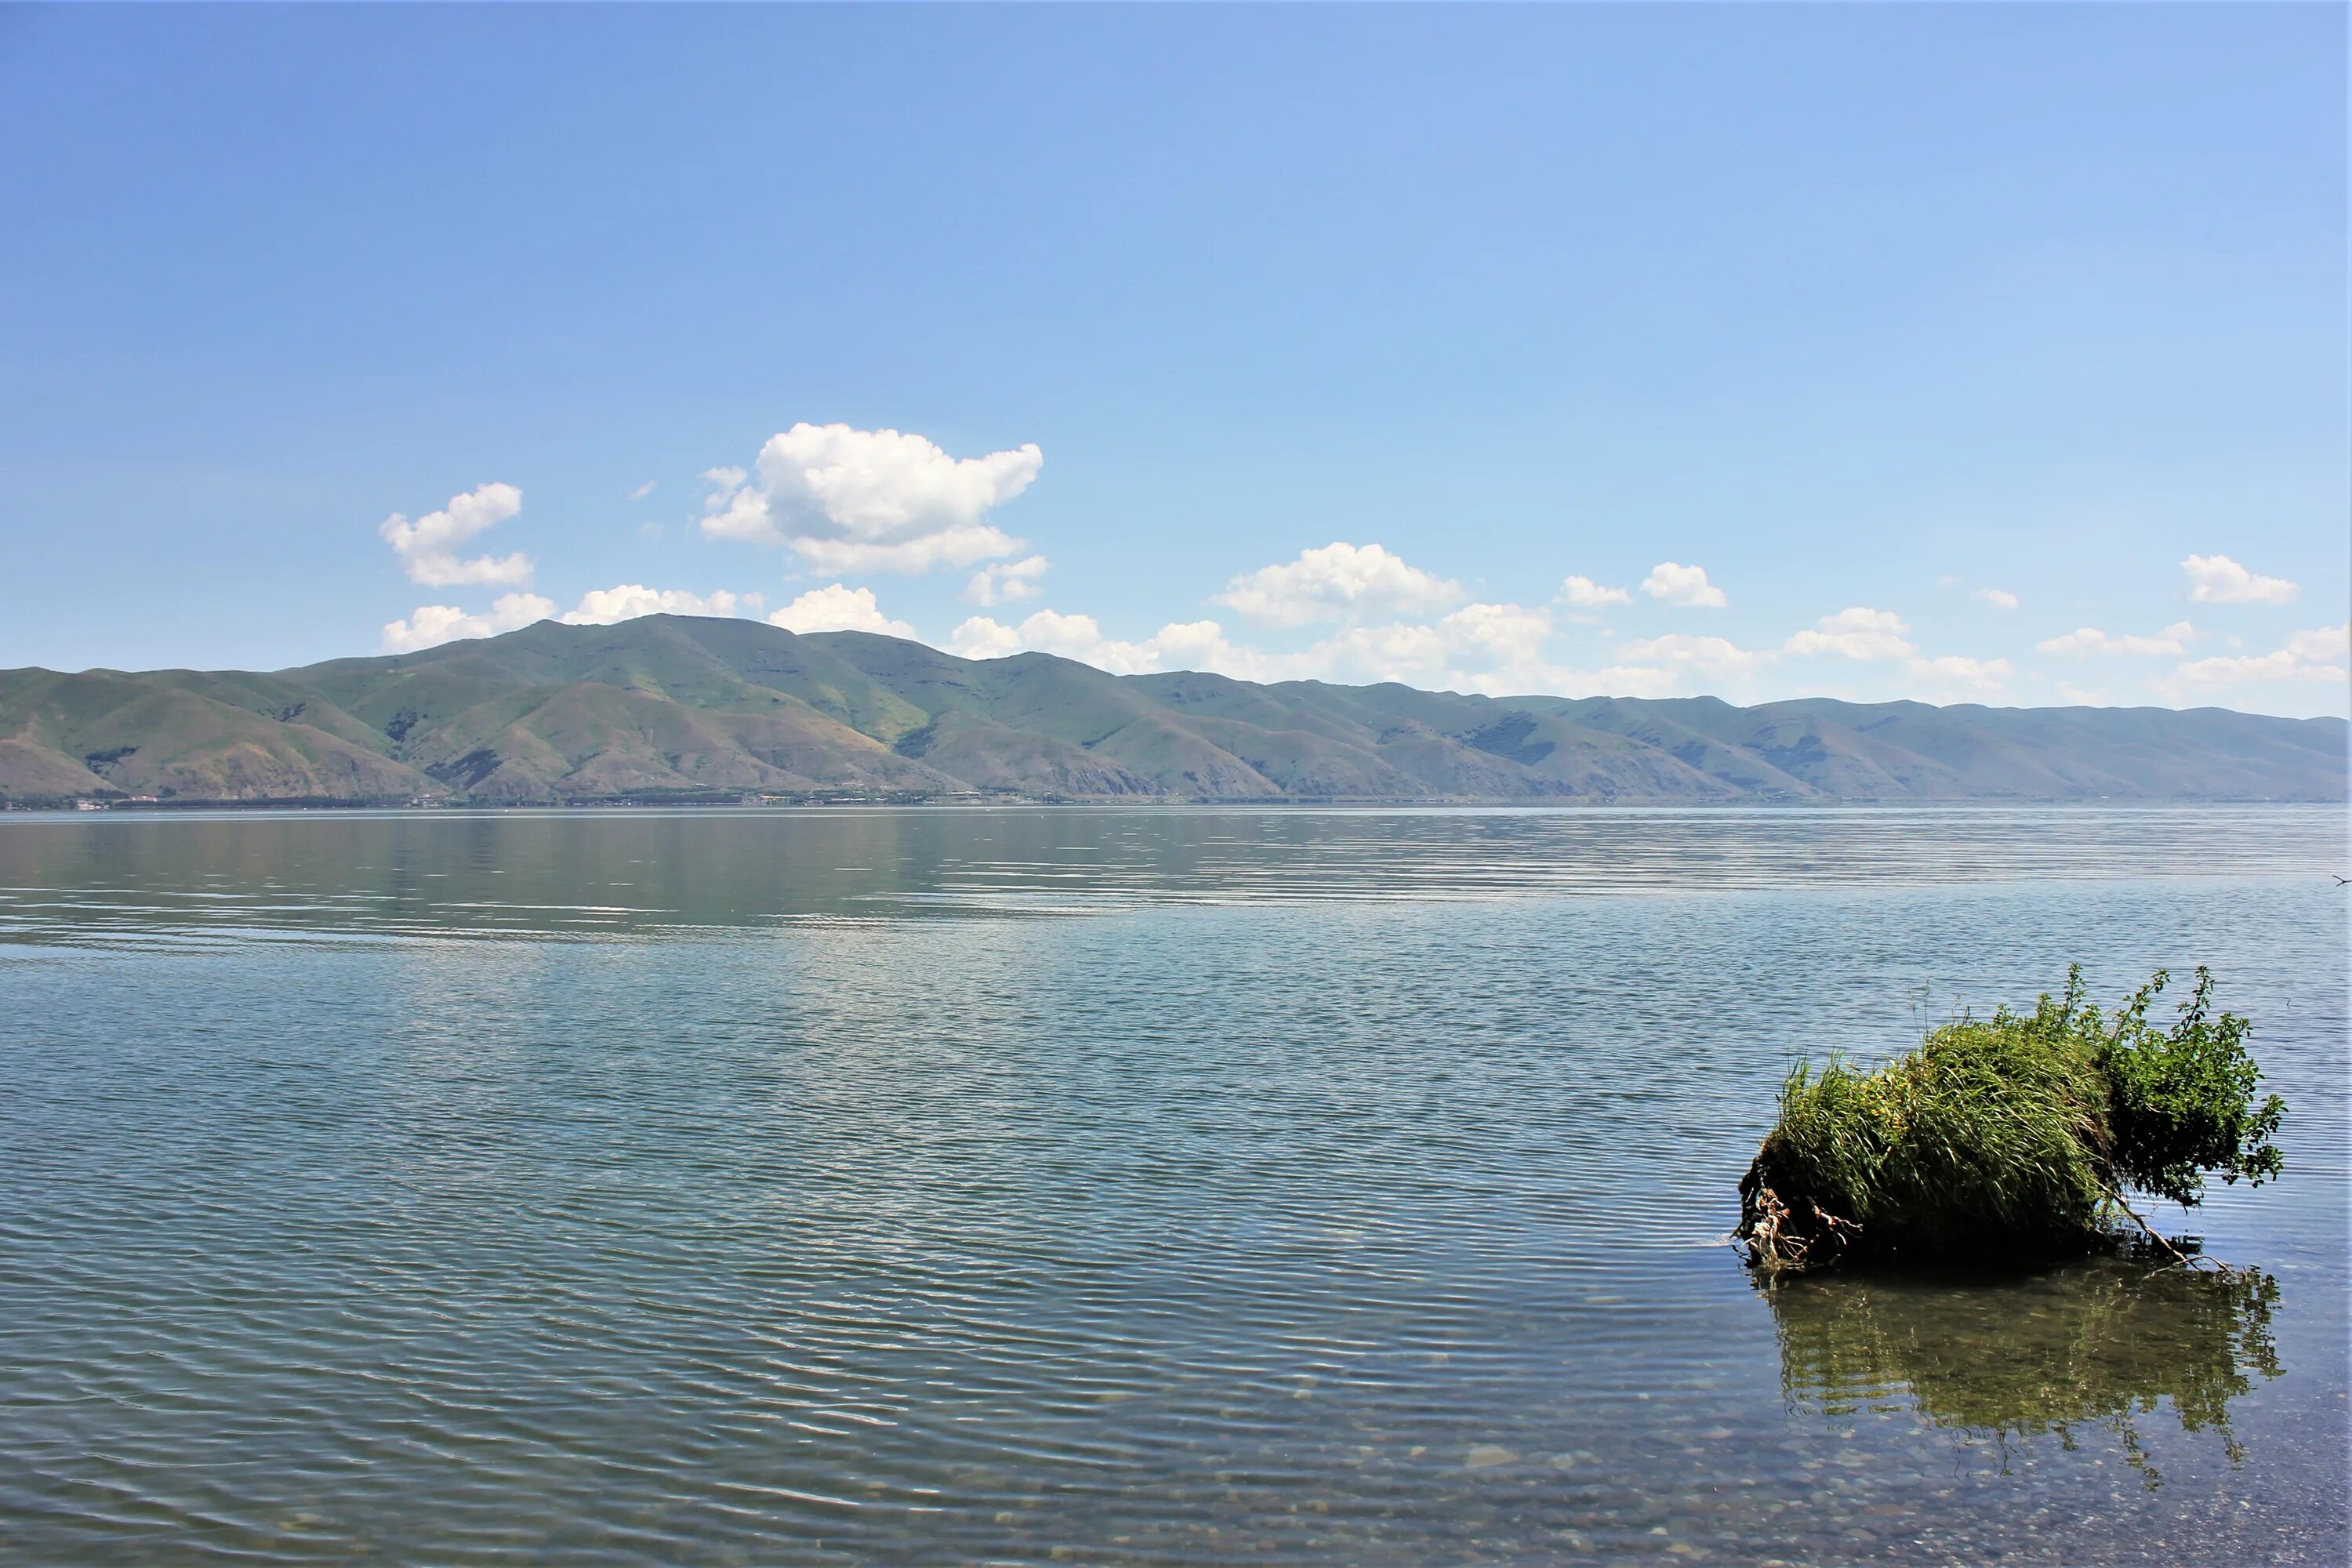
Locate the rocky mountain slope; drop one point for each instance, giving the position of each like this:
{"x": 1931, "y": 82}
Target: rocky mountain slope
{"x": 673, "y": 707}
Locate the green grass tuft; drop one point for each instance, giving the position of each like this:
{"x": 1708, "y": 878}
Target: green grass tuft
{"x": 2008, "y": 1136}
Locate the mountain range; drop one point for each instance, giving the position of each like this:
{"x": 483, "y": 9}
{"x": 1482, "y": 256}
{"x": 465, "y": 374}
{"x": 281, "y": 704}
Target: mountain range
{"x": 678, "y": 708}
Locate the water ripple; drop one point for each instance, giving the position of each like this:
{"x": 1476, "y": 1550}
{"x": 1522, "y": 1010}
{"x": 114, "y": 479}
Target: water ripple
{"x": 1342, "y": 1188}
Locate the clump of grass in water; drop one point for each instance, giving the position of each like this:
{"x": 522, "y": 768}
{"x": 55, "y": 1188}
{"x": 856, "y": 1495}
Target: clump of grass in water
{"x": 2012, "y": 1136}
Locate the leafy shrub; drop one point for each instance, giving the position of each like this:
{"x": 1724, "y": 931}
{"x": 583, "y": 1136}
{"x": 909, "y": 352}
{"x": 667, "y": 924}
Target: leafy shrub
{"x": 2012, "y": 1134}
{"x": 2182, "y": 1103}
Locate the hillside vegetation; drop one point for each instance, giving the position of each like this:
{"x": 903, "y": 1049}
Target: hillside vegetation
{"x": 672, "y": 707}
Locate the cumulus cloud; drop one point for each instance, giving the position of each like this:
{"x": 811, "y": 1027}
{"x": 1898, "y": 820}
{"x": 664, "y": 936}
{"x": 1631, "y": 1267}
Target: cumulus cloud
{"x": 1672, "y": 583}
{"x": 1187, "y": 645}
{"x": 2085, "y": 641}
{"x": 1978, "y": 677}
{"x": 1859, "y": 631}
{"x": 1713, "y": 656}
{"x": 432, "y": 623}
{"x": 869, "y": 500}
{"x": 428, "y": 547}
{"x": 642, "y": 492}
{"x": 1999, "y": 598}
{"x": 428, "y": 625}
{"x": 1615, "y": 680}
{"x": 1479, "y": 648}
{"x": 2323, "y": 654}
{"x": 1500, "y": 650}
{"x": 2321, "y": 647}
{"x": 603, "y": 607}
{"x": 1584, "y": 593}
{"x": 2217, "y": 580}
{"x": 1000, "y": 585}
{"x": 984, "y": 636}
{"x": 1513, "y": 634}
{"x": 836, "y": 609}
{"x": 1338, "y": 582}
{"x": 1485, "y": 647}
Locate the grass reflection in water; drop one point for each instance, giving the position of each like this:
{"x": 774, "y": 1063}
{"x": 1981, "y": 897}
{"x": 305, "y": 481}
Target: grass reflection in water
{"x": 2096, "y": 1345}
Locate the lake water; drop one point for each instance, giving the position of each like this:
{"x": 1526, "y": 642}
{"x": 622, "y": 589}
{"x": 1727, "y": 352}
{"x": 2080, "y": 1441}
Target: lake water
{"x": 1111, "y": 1187}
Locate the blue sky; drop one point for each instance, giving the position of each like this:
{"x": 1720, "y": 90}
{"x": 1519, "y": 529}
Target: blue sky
{"x": 1293, "y": 342}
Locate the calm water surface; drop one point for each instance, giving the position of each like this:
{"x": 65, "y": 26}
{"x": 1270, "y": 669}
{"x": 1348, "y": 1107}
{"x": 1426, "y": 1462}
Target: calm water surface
{"x": 1105, "y": 1186}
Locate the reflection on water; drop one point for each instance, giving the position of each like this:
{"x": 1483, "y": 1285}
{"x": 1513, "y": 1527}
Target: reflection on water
{"x": 1345, "y": 1188}
{"x": 369, "y": 874}
{"x": 2094, "y": 1344}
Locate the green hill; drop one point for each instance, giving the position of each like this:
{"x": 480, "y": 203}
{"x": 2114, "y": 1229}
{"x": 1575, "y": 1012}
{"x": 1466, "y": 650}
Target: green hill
{"x": 673, "y": 707}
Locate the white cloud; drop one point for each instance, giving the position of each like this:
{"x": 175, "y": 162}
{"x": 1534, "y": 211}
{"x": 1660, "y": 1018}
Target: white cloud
{"x": 642, "y": 492}
{"x": 1978, "y": 677}
{"x": 2320, "y": 655}
{"x": 1511, "y": 632}
{"x": 1685, "y": 585}
{"x": 2217, "y": 580}
{"x": 1857, "y": 632}
{"x": 1712, "y": 656}
{"x": 603, "y": 607}
{"x": 1479, "y": 648}
{"x": 1337, "y": 582}
{"x": 865, "y": 501}
{"x": 2322, "y": 646}
{"x": 1001, "y": 585}
{"x": 1616, "y": 680}
{"x": 984, "y": 636}
{"x": 2087, "y": 640}
{"x": 1079, "y": 638}
{"x": 835, "y": 608}
{"x": 1485, "y": 647}
{"x": 428, "y": 625}
{"x": 1185, "y": 645}
{"x": 1497, "y": 649}
{"x": 1999, "y": 598}
{"x": 1415, "y": 653}
{"x": 1584, "y": 593}
{"x": 428, "y": 547}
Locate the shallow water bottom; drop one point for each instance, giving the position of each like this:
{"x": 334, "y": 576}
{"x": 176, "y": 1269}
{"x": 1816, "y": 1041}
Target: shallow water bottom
{"x": 1202, "y": 1229}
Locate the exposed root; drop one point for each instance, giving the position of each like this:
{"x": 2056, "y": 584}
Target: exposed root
{"x": 1778, "y": 1238}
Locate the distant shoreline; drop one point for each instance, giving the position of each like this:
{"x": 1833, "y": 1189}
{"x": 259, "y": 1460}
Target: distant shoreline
{"x": 673, "y": 710}
{"x": 73, "y": 810}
